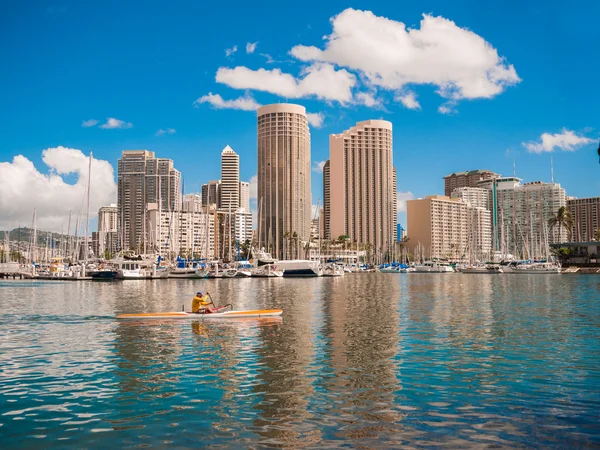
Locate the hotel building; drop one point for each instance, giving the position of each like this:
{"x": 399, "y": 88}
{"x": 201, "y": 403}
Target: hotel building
{"x": 586, "y": 218}
{"x": 360, "y": 195}
{"x": 140, "y": 178}
{"x": 438, "y": 227}
{"x": 230, "y": 179}
{"x": 284, "y": 192}
{"x": 466, "y": 179}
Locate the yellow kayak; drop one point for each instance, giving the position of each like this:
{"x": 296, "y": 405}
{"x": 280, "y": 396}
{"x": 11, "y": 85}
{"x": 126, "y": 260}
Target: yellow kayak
{"x": 217, "y": 315}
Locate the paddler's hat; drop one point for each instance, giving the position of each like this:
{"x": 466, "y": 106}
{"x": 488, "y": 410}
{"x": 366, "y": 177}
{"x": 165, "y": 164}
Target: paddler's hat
{"x": 199, "y": 294}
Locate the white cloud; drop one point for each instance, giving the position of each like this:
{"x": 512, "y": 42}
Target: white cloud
{"x": 89, "y": 123}
{"x": 401, "y": 198}
{"x": 165, "y": 131}
{"x": 245, "y": 103}
{"x": 318, "y": 166}
{"x": 112, "y": 123}
{"x": 230, "y": 51}
{"x": 23, "y": 187}
{"x": 316, "y": 119}
{"x": 367, "y": 99}
{"x": 459, "y": 62}
{"x": 567, "y": 140}
{"x": 409, "y": 100}
{"x": 253, "y": 187}
{"x": 319, "y": 80}
{"x": 270, "y": 60}
{"x": 446, "y": 109}
{"x": 250, "y": 47}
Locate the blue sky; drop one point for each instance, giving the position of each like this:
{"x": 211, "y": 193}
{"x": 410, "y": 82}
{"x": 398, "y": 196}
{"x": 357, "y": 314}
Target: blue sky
{"x": 146, "y": 63}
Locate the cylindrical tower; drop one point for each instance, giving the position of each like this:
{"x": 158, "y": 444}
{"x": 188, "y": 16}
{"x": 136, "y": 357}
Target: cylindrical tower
{"x": 284, "y": 195}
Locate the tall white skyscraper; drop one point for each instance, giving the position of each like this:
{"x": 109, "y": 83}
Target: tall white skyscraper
{"x": 284, "y": 195}
{"x": 230, "y": 179}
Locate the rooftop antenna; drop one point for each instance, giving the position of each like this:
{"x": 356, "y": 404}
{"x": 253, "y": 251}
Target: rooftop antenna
{"x": 552, "y": 169}
{"x": 515, "y": 167}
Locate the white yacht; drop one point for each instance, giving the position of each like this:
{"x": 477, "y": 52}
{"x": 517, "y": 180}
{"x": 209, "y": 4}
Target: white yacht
{"x": 434, "y": 266}
{"x": 300, "y": 268}
{"x": 264, "y": 265}
{"x": 538, "y": 268}
{"x": 333, "y": 270}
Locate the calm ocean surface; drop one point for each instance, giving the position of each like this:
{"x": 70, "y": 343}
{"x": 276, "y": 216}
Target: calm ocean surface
{"x": 367, "y": 360}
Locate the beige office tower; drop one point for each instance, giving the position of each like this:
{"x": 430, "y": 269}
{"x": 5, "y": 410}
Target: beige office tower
{"x": 284, "y": 195}
{"x": 245, "y": 195}
{"x": 326, "y": 201}
{"x": 362, "y": 196}
{"x": 230, "y": 179}
{"x": 140, "y": 177}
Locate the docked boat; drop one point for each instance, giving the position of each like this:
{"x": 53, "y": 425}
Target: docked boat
{"x": 333, "y": 270}
{"x": 435, "y": 266}
{"x": 300, "y": 268}
{"x": 264, "y": 265}
{"x": 103, "y": 274}
{"x": 188, "y": 269}
{"x": 538, "y": 268}
{"x": 257, "y": 313}
{"x": 244, "y": 269}
{"x": 483, "y": 269}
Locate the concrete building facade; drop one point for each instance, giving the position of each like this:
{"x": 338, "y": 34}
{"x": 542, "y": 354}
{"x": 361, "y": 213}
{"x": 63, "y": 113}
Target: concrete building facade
{"x": 186, "y": 233}
{"x": 325, "y": 232}
{"x": 586, "y": 218}
{"x": 143, "y": 179}
{"x": 106, "y": 240}
{"x": 466, "y": 179}
{"x": 211, "y": 193}
{"x": 361, "y": 184}
{"x": 230, "y": 179}
{"x": 245, "y": 195}
{"x": 438, "y": 227}
{"x": 283, "y": 175}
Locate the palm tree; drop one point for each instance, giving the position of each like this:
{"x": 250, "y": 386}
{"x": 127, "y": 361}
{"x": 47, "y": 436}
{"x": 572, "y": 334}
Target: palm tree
{"x": 597, "y": 235}
{"x": 562, "y": 218}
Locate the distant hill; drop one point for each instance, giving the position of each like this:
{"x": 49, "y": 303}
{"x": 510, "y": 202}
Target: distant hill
{"x": 24, "y": 234}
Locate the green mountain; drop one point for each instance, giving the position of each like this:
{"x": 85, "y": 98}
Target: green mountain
{"x": 24, "y": 234}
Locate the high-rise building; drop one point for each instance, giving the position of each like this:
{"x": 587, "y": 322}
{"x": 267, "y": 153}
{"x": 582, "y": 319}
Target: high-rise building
{"x": 245, "y": 195}
{"x": 586, "y": 218}
{"x": 192, "y": 203}
{"x": 284, "y": 192}
{"x": 475, "y": 197}
{"x": 140, "y": 178}
{"x": 438, "y": 227}
{"x": 243, "y": 225}
{"x": 106, "y": 238}
{"x": 362, "y": 177}
{"x": 186, "y": 233}
{"x": 479, "y": 243}
{"x": 230, "y": 179}
{"x": 211, "y": 193}
{"x": 326, "y": 201}
{"x": 466, "y": 179}
{"x": 520, "y": 215}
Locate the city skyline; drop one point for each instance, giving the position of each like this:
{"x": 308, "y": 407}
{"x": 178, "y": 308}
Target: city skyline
{"x": 541, "y": 98}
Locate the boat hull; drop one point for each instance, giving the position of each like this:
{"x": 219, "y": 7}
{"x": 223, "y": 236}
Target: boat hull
{"x": 187, "y": 315}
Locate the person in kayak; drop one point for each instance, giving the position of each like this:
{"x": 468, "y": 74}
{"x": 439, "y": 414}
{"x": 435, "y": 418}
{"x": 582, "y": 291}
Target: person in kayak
{"x": 200, "y": 303}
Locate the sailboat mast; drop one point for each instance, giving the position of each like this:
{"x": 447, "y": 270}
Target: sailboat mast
{"x": 87, "y": 217}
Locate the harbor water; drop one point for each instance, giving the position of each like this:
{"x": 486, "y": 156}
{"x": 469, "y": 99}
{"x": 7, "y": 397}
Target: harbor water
{"x": 362, "y": 361}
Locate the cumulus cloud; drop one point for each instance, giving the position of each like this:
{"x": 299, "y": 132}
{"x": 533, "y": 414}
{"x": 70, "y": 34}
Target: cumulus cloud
{"x": 462, "y": 64}
{"x": 112, "y": 123}
{"x": 401, "y": 198}
{"x": 164, "y": 131}
{"x": 318, "y": 166}
{"x": 89, "y": 123}
{"x": 245, "y": 103}
{"x": 446, "y": 109}
{"x": 367, "y": 99}
{"x": 230, "y": 51}
{"x": 316, "y": 119}
{"x": 250, "y": 47}
{"x": 23, "y": 187}
{"x": 319, "y": 80}
{"x": 409, "y": 100}
{"x": 567, "y": 140}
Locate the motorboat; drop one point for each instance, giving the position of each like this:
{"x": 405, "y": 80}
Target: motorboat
{"x": 434, "y": 266}
{"x": 333, "y": 270}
